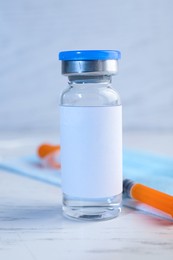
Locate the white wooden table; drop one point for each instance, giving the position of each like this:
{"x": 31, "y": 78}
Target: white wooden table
{"x": 32, "y": 225}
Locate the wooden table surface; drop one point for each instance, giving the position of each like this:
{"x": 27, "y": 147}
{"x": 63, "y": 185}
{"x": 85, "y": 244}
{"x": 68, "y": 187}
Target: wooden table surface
{"x": 32, "y": 225}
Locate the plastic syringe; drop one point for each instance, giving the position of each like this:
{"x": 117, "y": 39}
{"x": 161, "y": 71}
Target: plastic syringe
{"x": 144, "y": 194}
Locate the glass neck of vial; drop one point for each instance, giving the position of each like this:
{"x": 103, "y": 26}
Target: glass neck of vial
{"x": 89, "y": 79}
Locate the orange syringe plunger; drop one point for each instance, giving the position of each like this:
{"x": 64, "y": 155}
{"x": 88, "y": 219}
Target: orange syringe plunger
{"x": 48, "y": 154}
{"x": 45, "y": 149}
{"x": 149, "y": 196}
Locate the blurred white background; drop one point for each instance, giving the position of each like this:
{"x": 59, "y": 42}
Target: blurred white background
{"x": 32, "y": 32}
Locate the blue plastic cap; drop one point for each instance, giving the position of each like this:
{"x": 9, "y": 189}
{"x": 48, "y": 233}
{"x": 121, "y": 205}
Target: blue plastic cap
{"x": 90, "y": 55}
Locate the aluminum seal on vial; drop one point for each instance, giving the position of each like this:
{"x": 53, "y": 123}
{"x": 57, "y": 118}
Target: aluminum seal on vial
{"x": 77, "y": 62}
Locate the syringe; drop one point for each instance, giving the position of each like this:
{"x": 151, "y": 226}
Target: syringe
{"x": 144, "y": 194}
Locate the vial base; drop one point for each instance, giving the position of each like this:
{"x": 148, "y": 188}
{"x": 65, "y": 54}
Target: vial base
{"x": 92, "y": 209}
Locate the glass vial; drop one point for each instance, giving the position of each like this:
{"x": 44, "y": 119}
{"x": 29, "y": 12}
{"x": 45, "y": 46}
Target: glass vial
{"x": 91, "y": 136}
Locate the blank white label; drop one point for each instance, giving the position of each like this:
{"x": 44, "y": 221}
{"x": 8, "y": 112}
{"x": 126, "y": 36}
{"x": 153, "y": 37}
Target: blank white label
{"x": 91, "y": 151}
